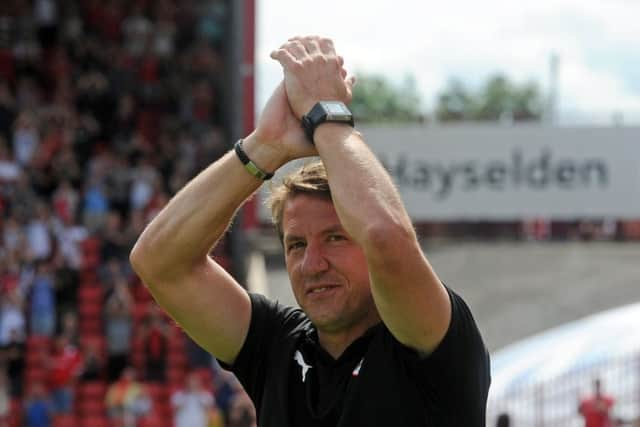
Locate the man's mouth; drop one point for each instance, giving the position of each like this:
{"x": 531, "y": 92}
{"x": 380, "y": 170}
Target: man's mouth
{"x": 320, "y": 289}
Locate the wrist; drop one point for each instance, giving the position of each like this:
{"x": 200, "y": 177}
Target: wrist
{"x": 262, "y": 154}
{"x": 330, "y": 133}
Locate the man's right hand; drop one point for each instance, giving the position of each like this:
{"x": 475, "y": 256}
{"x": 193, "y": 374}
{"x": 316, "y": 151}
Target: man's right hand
{"x": 280, "y": 131}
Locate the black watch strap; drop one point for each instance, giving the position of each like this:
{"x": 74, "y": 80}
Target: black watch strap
{"x": 251, "y": 167}
{"x": 320, "y": 114}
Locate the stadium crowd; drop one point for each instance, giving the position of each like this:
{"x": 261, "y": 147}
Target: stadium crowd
{"x": 106, "y": 108}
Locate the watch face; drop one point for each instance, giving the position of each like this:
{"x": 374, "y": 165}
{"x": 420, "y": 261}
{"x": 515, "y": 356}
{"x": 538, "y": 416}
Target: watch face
{"x": 336, "y": 111}
{"x": 336, "y": 108}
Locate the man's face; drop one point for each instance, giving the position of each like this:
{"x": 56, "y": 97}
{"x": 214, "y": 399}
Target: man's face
{"x": 327, "y": 269}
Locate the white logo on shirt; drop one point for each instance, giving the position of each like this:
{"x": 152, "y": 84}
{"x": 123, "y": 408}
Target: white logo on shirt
{"x": 298, "y": 358}
{"x": 356, "y": 371}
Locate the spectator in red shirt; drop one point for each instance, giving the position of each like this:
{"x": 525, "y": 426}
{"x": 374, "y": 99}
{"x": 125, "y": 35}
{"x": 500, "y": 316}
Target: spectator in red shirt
{"x": 596, "y": 409}
{"x": 65, "y": 366}
{"x": 155, "y": 337}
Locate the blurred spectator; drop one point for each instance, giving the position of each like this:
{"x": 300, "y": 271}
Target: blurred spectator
{"x": 64, "y": 368}
{"x": 225, "y": 386}
{"x": 136, "y": 30}
{"x": 126, "y": 399}
{"x": 38, "y": 408}
{"x": 42, "y": 312}
{"x": 65, "y": 202}
{"x": 95, "y": 206}
{"x": 503, "y": 420}
{"x": 13, "y": 356}
{"x": 69, "y": 327}
{"x": 114, "y": 241}
{"x": 26, "y": 138}
{"x": 7, "y": 109}
{"x": 242, "y": 412}
{"x": 196, "y": 355}
{"x": 5, "y": 398}
{"x": 9, "y": 168}
{"x": 40, "y": 233}
{"x": 154, "y": 336}
{"x": 145, "y": 183}
{"x": 14, "y": 239}
{"x": 192, "y": 405}
{"x": 46, "y": 18}
{"x": 92, "y": 368}
{"x": 596, "y": 409}
{"x": 119, "y": 327}
{"x": 12, "y": 321}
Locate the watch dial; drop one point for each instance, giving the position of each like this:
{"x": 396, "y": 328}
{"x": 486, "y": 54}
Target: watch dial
{"x": 336, "y": 108}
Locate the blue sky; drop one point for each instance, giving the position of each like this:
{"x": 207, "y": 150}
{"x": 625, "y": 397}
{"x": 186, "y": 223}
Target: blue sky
{"x": 597, "y": 41}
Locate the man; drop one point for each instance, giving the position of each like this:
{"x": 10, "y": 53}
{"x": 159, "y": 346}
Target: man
{"x": 596, "y": 408}
{"x": 379, "y": 340}
{"x": 192, "y": 405}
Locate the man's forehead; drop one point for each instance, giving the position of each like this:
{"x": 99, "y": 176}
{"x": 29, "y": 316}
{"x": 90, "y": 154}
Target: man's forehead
{"x": 303, "y": 214}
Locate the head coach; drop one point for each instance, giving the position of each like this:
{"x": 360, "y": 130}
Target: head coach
{"x": 378, "y": 339}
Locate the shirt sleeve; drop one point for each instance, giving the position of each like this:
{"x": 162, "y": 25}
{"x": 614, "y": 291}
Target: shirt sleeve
{"x": 457, "y": 371}
{"x": 269, "y": 321}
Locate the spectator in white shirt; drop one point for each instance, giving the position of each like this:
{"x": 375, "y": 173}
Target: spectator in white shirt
{"x": 192, "y": 404}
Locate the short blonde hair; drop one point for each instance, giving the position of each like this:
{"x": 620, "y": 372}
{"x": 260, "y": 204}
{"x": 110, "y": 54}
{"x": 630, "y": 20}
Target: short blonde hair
{"x": 309, "y": 179}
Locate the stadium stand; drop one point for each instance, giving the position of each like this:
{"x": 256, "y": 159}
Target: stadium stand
{"x": 106, "y": 108}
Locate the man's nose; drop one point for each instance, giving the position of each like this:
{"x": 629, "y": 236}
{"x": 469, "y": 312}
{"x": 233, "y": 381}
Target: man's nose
{"x": 314, "y": 260}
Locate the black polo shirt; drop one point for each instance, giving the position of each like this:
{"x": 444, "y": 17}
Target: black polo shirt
{"x": 377, "y": 381}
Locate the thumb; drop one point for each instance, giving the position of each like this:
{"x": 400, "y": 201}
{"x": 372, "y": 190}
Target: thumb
{"x": 350, "y": 81}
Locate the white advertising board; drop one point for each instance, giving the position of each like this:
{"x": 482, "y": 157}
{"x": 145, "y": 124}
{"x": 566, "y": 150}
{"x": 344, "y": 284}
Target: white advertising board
{"x": 509, "y": 173}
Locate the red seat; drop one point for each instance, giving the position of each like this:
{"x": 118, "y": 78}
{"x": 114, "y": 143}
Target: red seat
{"x": 36, "y": 373}
{"x": 92, "y": 390}
{"x": 90, "y": 311}
{"x": 88, "y": 277}
{"x": 64, "y": 421}
{"x": 175, "y": 375}
{"x": 176, "y": 359}
{"x": 94, "y": 421}
{"x": 141, "y": 294}
{"x": 90, "y": 261}
{"x": 140, "y": 310}
{"x": 90, "y": 245}
{"x": 157, "y": 392}
{"x": 15, "y": 413}
{"x": 92, "y": 407}
{"x": 90, "y": 294}
{"x": 91, "y": 326}
{"x": 38, "y": 342}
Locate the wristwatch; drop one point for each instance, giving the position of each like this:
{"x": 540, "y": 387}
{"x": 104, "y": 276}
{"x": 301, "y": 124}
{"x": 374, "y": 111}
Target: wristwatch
{"x": 326, "y": 112}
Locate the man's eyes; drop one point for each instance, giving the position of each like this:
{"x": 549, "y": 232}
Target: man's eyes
{"x": 295, "y": 245}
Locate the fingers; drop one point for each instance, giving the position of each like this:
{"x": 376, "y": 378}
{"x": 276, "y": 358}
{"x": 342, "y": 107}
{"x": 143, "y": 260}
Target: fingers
{"x": 351, "y": 81}
{"x": 316, "y": 44}
{"x": 311, "y": 45}
{"x": 285, "y": 57}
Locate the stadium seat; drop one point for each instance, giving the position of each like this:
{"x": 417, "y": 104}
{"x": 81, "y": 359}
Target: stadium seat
{"x": 176, "y": 358}
{"x": 90, "y": 245}
{"x": 90, "y": 311}
{"x": 92, "y": 390}
{"x": 15, "y": 413}
{"x": 175, "y": 376}
{"x": 38, "y": 342}
{"x": 64, "y": 421}
{"x": 92, "y": 407}
{"x": 90, "y": 294}
{"x": 95, "y": 421}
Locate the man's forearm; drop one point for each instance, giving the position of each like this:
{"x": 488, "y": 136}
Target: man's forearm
{"x": 184, "y": 232}
{"x": 363, "y": 193}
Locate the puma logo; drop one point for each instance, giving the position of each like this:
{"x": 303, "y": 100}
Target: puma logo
{"x": 305, "y": 367}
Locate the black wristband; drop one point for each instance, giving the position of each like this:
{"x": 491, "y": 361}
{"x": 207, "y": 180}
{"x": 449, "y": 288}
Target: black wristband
{"x": 251, "y": 167}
